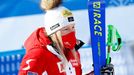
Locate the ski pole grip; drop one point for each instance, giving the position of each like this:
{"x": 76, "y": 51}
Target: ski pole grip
{"x": 108, "y": 70}
{"x": 109, "y": 43}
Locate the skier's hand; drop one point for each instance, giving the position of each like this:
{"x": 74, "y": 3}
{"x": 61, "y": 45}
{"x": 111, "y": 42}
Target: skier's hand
{"x": 108, "y": 70}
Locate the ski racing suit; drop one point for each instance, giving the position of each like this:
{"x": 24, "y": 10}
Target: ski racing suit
{"x": 42, "y": 59}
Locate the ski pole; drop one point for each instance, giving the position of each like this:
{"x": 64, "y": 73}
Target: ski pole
{"x": 114, "y": 41}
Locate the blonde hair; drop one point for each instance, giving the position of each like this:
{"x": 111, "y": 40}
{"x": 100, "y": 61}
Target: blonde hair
{"x": 49, "y": 4}
{"x": 57, "y": 39}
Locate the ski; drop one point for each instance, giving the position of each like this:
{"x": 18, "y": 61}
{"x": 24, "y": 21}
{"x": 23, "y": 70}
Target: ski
{"x": 96, "y": 12}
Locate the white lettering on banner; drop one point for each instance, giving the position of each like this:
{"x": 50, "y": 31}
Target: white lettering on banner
{"x": 28, "y": 64}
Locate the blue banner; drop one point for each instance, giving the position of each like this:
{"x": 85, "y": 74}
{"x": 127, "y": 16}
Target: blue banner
{"x": 10, "y": 62}
{"x": 96, "y": 9}
{"x": 9, "y": 8}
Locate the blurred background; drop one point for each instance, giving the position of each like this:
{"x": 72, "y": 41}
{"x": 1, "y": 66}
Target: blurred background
{"x": 19, "y": 18}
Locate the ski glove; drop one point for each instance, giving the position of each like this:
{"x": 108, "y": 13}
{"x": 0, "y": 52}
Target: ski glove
{"x": 107, "y": 70}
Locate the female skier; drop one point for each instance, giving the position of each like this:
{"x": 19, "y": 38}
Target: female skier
{"x": 53, "y": 49}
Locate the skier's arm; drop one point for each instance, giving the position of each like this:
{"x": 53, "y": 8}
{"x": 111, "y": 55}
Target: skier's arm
{"x": 32, "y": 63}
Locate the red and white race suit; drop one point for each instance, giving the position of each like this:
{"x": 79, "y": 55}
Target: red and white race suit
{"x": 42, "y": 59}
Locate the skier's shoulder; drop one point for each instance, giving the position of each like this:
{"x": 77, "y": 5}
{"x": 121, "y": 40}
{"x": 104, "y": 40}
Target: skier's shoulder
{"x": 36, "y": 41}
